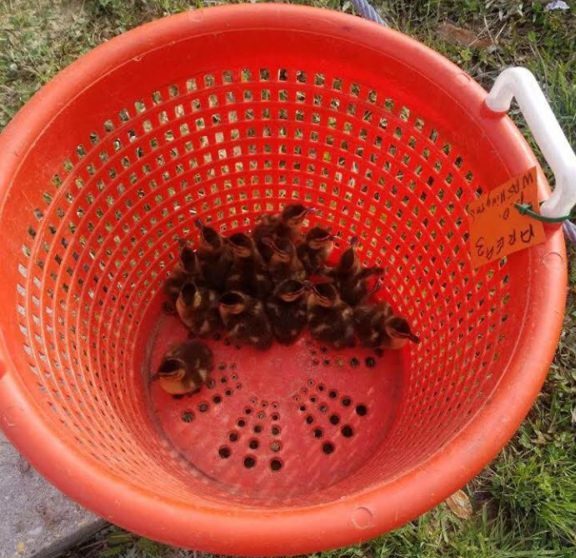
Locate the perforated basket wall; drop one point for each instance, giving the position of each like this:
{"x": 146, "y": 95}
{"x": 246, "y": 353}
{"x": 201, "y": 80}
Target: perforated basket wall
{"x": 223, "y": 115}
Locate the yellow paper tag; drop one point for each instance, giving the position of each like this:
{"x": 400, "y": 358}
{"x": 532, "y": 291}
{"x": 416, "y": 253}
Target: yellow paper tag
{"x": 496, "y": 226}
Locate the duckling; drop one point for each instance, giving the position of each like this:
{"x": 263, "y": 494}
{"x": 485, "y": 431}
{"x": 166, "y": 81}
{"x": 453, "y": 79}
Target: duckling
{"x": 283, "y": 262}
{"x": 287, "y": 310}
{"x": 286, "y": 224}
{"x": 185, "y": 368}
{"x": 377, "y": 326}
{"x": 248, "y": 273}
{"x": 188, "y": 269}
{"x": 330, "y": 319}
{"x": 245, "y": 320}
{"x": 315, "y": 249}
{"x": 349, "y": 263}
{"x": 214, "y": 257}
{"x": 197, "y": 308}
{"x": 369, "y": 322}
{"x": 354, "y": 290}
{"x": 352, "y": 278}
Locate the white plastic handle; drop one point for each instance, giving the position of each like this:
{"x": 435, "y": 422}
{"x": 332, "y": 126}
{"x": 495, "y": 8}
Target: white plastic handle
{"x": 521, "y": 84}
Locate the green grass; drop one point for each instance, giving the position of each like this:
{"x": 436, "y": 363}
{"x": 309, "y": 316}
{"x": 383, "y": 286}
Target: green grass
{"x": 525, "y": 501}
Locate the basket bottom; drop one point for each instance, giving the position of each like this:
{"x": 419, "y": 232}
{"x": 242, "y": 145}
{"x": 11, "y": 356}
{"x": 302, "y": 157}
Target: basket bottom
{"x": 280, "y": 424}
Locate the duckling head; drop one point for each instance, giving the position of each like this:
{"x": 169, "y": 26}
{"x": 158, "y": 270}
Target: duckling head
{"x": 291, "y": 290}
{"x": 398, "y": 329}
{"x": 209, "y": 238}
{"x": 349, "y": 258}
{"x": 282, "y": 248}
{"x": 171, "y": 374}
{"x": 188, "y": 259}
{"x": 318, "y": 238}
{"x": 232, "y": 303}
{"x": 190, "y": 296}
{"x": 325, "y": 294}
{"x": 294, "y": 214}
{"x": 242, "y": 245}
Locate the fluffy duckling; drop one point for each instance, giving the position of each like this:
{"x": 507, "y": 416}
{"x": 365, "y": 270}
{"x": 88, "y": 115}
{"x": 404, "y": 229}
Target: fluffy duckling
{"x": 213, "y": 257}
{"x": 377, "y": 326}
{"x": 330, "y": 319}
{"x": 352, "y": 278}
{"x": 245, "y": 320}
{"x": 198, "y": 309}
{"x": 287, "y": 310}
{"x": 185, "y": 368}
{"x": 286, "y": 224}
{"x": 315, "y": 249}
{"x": 283, "y": 262}
{"x": 248, "y": 274}
{"x": 355, "y": 290}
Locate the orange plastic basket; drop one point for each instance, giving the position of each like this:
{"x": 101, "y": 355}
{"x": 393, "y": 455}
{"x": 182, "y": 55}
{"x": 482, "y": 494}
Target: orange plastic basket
{"x": 224, "y": 114}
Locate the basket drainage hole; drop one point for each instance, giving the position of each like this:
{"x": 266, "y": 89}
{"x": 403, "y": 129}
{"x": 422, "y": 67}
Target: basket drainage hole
{"x": 233, "y": 436}
{"x": 361, "y": 410}
{"x": 328, "y": 448}
{"x": 309, "y": 419}
{"x": 249, "y": 462}
{"x": 276, "y": 430}
{"x": 276, "y": 446}
{"x": 253, "y": 444}
{"x": 318, "y": 433}
{"x": 275, "y": 416}
{"x": 334, "y": 419}
{"x": 203, "y": 407}
{"x": 187, "y": 416}
{"x": 346, "y": 401}
{"x": 332, "y": 394}
{"x": 275, "y": 464}
{"x": 241, "y": 423}
{"x": 217, "y": 399}
{"x": 224, "y": 452}
{"x": 347, "y": 431}
{"x": 258, "y": 428}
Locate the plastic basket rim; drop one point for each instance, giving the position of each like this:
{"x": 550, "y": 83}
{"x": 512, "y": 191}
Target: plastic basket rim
{"x": 282, "y": 530}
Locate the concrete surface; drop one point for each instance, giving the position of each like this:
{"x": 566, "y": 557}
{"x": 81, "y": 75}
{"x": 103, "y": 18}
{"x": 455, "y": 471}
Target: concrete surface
{"x": 36, "y": 520}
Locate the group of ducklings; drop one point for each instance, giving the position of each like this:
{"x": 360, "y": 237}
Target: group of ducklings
{"x": 270, "y": 285}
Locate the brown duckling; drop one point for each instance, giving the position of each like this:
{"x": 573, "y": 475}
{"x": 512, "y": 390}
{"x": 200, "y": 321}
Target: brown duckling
{"x": 355, "y": 290}
{"x": 286, "y": 224}
{"x": 283, "y": 262}
{"x": 245, "y": 320}
{"x": 352, "y": 278}
{"x": 377, "y": 326}
{"x": 213, "y": 256}
{"x": 287, "y": 310}
{"x": 197, "y": 307}
{"x": 315, "y": 249}
{"x": 330, "y": 319}
{"x": 185, "y": 368}
{"x": 248, "y": 273}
